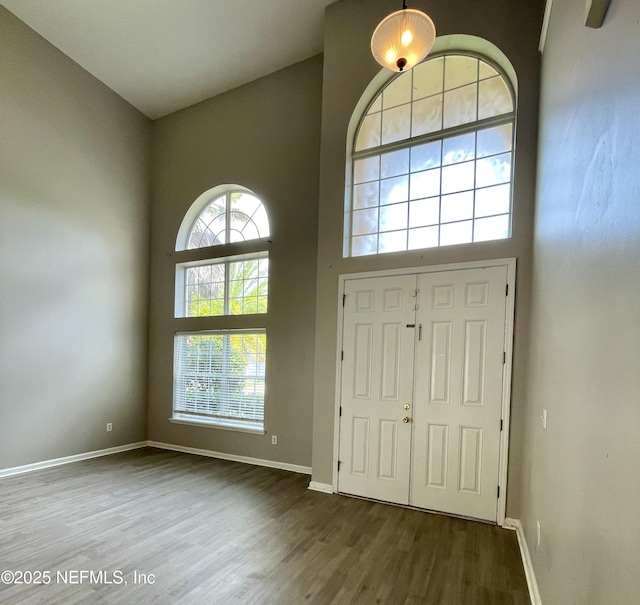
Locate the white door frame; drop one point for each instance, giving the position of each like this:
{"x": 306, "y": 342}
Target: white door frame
{"x": 510, "y": 264}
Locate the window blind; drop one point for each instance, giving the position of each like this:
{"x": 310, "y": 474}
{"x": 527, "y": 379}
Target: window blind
{"x": 220, "y": 375}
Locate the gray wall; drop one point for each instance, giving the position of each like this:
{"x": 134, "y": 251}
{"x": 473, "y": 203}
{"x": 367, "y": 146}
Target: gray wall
{"x": 73, "y": 249}
{"x": 514, "y": 28}
{"x": 581, "y": 477}
{"x": 264, "y": 136}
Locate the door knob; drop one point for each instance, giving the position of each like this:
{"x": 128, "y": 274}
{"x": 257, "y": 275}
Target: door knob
{"x": 406, "y": 406}
{"x": 406, "y": 419}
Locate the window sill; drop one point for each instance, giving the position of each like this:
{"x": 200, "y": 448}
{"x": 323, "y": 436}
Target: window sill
{"x": 226, "y": 425}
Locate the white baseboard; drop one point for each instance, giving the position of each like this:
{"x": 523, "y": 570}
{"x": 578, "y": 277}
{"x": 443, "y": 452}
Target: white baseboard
{"x": 283, "y": 466}
{"x": 36, "y": 466}
{"x": 529, "y": 572}
{"x": 326, "y": 488}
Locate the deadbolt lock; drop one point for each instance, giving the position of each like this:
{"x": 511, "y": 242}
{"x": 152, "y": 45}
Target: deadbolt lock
{"x": 406, "y": 406}
{"x": 406, "y": 419}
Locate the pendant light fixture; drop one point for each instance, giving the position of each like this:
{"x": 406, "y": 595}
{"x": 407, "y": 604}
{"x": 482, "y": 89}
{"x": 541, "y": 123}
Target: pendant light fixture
{"x": 403, "y": 39}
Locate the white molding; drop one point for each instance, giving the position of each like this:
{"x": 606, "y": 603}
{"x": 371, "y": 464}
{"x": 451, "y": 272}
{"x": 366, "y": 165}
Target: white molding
{"x": 545, "y": 25}
{"x": 229, "y": 426}
{"x": 325, "y": 488}
{"x": 36, "y": 466}
{"x": 283, "y": 466}
{"x": 507, "y": 376}
{"x": 529, "y": 572}
{"x": 473, "y": 264}
{"x": 338, "y": 386}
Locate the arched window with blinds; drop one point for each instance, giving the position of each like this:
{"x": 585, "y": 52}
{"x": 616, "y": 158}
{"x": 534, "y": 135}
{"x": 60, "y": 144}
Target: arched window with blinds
{"x": 220, "y": 369}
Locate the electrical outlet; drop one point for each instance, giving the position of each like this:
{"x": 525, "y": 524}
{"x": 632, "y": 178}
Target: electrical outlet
{"x": 544, "y": 419}
{"x": 538, "y": 532}
{"x": 109, "y": 427}
{"x": 274, "y": 439}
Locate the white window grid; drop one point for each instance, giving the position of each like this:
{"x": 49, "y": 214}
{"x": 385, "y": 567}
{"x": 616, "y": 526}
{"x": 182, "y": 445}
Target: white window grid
{"x": 438, "y": 231}
{"x": 231, "y": 286}
{"x": 233, "y": 216}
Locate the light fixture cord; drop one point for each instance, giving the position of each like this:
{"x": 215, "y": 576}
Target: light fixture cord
{"x": 404, "y": 4}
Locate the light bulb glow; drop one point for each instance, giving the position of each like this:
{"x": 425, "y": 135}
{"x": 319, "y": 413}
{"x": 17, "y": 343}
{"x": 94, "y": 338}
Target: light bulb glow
{"x": 407, "y": 37}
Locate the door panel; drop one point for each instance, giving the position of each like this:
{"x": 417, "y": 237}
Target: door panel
{"x": 458, "y": 391}
{"x": 362, "y": 352}
{"x": 474, "y": 360}
{"x": 440, "y": 362}
{"x": 387, "y": 450}
{"x": 470, "y": 471}
{"x": 437, "y": 443}
{"x": 360, "y": 446}
{"x": 377, "y": 380}
{"x": 446, "y": 457}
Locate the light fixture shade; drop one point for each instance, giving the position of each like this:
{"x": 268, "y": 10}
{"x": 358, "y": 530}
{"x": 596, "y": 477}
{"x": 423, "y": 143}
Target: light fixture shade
{"x": 403, "y": 39}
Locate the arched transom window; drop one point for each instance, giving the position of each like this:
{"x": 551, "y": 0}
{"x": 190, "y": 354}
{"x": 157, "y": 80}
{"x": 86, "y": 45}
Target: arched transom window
{"x": 235, "y": 216}
{"x": 432, "y": 159}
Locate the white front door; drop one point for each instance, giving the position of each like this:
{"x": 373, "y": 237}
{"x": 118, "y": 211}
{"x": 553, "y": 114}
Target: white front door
{"x": 421, "y": 395}
{"x": 458, "y": 391}
{"x": 377, "y": 380}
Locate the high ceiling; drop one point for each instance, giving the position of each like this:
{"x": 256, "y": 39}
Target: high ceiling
{"x": 163, "y": 55}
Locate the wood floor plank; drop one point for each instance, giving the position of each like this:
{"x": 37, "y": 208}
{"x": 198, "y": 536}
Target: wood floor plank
{"x": 219, "y": 532}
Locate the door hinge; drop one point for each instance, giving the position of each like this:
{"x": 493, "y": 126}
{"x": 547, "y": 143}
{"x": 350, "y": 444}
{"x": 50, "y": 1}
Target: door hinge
{"x": 340, "y": 414}
{"x": 504, "y": 357}
{"x": 344, "y": 297}
{"x": 506, "y": 293}
{"x": 498, "y": 491}
{"x": 500, "y": 420}
{"x": 339, "y": 463}
{"x": 419, "y": 331}
{"x": 341, "y": 355}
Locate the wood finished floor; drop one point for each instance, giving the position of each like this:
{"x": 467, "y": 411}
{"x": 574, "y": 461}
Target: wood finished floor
{"x": 218, "y": 532}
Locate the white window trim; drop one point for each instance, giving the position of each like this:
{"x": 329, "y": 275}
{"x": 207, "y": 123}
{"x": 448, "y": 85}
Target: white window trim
{"x": 179, "y": 303}
{"x": 227, "y": 252}
{"x": 226, "y": 425}
{"x": 229, "y": 424}
{"x": 200, "y": 204}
